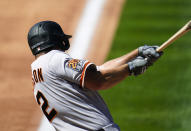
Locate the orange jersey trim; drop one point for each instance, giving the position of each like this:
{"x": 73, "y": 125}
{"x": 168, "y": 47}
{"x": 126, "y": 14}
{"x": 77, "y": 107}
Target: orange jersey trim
{"x": 83, "y": 74}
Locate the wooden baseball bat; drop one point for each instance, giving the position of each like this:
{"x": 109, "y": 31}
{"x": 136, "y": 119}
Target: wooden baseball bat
{"x": 181, "y": 32}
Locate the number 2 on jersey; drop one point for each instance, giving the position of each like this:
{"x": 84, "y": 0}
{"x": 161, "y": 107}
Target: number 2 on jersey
{"x": 51, "y": 115}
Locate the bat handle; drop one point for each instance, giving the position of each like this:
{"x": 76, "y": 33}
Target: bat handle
{"x": 162, "y": 47}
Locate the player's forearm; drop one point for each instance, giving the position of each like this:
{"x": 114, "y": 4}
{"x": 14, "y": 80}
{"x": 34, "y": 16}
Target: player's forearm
{"x": 113, "y": 76}
{"x": 104, "y": 78}
{"x": 120, "y": 60}
{"x": 114, "y": 71}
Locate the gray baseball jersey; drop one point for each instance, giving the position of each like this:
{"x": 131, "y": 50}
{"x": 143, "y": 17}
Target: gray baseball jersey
{"x": 59, "y": 89}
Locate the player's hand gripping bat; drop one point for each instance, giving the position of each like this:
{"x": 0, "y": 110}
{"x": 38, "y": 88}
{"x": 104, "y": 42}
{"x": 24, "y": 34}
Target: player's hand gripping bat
{"x": 182, "y": 31}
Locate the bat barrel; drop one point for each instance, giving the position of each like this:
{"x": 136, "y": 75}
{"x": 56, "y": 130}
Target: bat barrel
{"x": 177, "y": 35}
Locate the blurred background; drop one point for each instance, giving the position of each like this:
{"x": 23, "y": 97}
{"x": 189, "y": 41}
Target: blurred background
{"x": 158, "y": 100}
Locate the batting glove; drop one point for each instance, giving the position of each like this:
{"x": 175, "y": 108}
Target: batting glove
{"x": 137, "y": 66}
{"x": 150, "y": 53}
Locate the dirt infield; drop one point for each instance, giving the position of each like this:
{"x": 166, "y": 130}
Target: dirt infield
{"x": 19, "y": 111}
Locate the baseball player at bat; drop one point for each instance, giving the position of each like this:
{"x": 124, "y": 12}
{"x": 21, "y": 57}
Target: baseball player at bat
{"x": 66, "y": 88}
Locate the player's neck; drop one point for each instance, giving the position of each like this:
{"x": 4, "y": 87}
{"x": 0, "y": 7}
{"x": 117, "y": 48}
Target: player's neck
{"x": 42, "y": 53}
{"x": 38, "y": 55}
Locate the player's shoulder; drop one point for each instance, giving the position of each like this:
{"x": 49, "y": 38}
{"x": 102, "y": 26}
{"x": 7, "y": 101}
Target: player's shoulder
{"x": 51, "y": 58}
{"x": 53, "y": 54}
{"x": 58, "y": 53}
{"x": 57, "y": 56}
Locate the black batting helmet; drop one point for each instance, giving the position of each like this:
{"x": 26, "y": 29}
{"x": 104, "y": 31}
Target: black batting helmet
{"x": 46, "y": 35}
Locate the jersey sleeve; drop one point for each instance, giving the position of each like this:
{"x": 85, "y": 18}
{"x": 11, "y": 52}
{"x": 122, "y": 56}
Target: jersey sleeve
{"x": 74, "y": 70}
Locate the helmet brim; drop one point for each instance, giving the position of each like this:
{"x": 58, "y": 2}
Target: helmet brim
{"x": 67, "y": 36}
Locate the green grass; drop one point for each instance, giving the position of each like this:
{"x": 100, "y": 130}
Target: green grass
{"x": 160, "y": 99}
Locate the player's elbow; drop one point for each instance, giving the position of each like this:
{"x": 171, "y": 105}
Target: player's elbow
{"x": 97, "y": 85}
{"x": 95, "y": 80}
{"x": 100, "y": 82}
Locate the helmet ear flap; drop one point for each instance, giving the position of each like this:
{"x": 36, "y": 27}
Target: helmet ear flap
{"x": 66, "y": 44}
